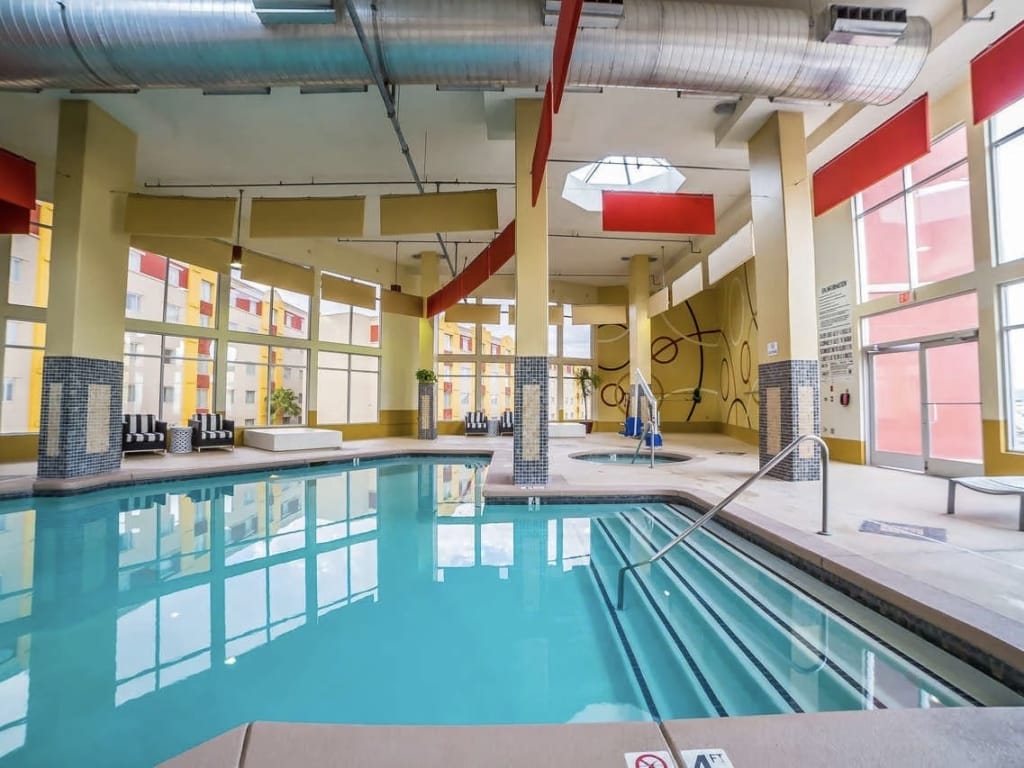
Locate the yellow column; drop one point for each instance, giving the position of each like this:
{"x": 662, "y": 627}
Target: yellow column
{"x": 780, "y": 191}
{"x": 530, "y": 444}
{"x": 80, "y": 431}
{"x": 639, "y": 317}
{"x": 95, "y": 166}
{"x": 430, "y": 281}
{"x": 531, "y": 238}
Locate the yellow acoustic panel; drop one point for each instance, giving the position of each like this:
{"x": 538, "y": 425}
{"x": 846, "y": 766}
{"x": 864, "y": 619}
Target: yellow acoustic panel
{"x": 658, "y": 302}
{"x": 598, "y": 314}
{"x": 348, "y": 292}
{"x": 280, "y": 274}
{"x": 208, "y": 254}
{"x": 395, "y": 303}
{"x": 439, "y": 212}
{"x": 473, "y": 313}
{"x": 307, "y": 217}
{"x": 555, "y": 315}
{"x": 180, "y": 216}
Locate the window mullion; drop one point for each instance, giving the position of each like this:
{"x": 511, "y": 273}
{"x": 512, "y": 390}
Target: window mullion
{"x": 911, "y": 223}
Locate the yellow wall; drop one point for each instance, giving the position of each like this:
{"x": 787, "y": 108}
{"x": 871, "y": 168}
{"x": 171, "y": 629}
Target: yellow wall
{"x": 736, "y": 353}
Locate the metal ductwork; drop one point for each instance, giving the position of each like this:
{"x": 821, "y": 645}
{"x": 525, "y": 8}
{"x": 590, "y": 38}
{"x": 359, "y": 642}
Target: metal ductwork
{"x": 219, "y": 44}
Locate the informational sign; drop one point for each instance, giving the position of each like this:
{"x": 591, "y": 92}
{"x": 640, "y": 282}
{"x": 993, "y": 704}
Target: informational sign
{"x": 652, "y": 759}
{"x": 708, "y": 757}
{"x": 773, "y": 348}
{"x": 835, "y": 332}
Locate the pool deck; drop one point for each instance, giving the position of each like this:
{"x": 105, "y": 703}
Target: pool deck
{"x": 963, "y": 574}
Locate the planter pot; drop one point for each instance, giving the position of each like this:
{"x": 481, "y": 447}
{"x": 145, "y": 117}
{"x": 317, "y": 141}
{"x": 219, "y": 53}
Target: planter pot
{"x": 427, "y": 419}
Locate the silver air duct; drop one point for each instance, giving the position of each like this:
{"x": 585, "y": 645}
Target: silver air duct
{"x": 218, "y": 44}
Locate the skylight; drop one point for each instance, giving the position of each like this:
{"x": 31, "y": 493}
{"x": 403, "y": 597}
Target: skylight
{"x": 583, "y": 186}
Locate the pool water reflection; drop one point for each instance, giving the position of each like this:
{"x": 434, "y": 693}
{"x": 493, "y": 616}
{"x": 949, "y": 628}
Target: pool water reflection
{"x": 136, "y": 623}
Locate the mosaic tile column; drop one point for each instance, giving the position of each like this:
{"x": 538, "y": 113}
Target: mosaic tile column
{"x": 427, "y": 399}
{"x": 789, "y": 408}
{"x": 530, "y": 441}
{"x": 80, "y": 425}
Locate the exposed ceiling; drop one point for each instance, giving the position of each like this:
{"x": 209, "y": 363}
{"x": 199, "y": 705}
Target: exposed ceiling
{"x": 186, "y": 138}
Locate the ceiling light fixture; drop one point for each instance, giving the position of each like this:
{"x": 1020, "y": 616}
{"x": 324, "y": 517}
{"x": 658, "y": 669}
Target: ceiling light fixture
{"x": 236, "y": 249}
{"x": 396, "y": 286}
{"x": 241, "y": 91}
{"x": 312, "y": 90}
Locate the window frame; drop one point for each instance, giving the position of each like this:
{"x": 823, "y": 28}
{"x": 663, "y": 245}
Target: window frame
{"x": 906, "y": 195}
{"x": 1006, "y": 329}
{"x": 993, "y": 146}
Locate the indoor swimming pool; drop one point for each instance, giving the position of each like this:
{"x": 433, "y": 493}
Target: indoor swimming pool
{"x": 138, "y": 622}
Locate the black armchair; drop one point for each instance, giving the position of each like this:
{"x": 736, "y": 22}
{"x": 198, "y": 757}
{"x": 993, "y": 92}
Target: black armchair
{"x": 476, "y": 423}
{"x": 142, "y": 432}
{"x": 212, "y": 430}
{"x": 506, "y": 424}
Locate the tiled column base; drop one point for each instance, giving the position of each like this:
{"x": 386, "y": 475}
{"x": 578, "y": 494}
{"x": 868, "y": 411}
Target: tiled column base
{"x": 789, "y": 408}
{"x": 427, "y": 398}
{"x": 530, "y": 448}
{"x": 80, "y": 425}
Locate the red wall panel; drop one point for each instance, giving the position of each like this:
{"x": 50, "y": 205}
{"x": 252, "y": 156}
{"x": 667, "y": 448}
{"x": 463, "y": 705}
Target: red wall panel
{"x": 490, "y": 260}
{"x": 997, "y": 74}
{"x": 17, "y": 193}
{"x": 542, "y": 148}
{"x": 658, "y": 212}
{"x": 897, "y": 142}
{"x": 565, "y": 38}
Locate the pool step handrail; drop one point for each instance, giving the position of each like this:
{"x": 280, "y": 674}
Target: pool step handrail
{"x": 699, "y": 522}
{"x": 651, "y": 428}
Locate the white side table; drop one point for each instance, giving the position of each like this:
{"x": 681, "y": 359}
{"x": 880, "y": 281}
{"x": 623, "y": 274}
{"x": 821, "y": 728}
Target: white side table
{"x": 180, "y": 439}
{"x": 492, "y": 427}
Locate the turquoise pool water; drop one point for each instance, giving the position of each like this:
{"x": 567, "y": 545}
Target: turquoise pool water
{"x": 139, "y": 622}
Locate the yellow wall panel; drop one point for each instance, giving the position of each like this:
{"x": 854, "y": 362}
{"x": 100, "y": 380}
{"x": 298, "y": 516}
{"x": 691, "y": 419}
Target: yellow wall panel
{"x": 598, "y": 314}
{"x": 439, "y": 212}
{"x": 280, "y": 274}
{"x": 199, "y": 252}
{"x": 180, "y": 216}
{"x": 348, "y": 292}
{"x": 555, "y": 315}
{"x": 473, "y": 313}
{"x": 307, "y": 217}
{"x": 395, "y": 303}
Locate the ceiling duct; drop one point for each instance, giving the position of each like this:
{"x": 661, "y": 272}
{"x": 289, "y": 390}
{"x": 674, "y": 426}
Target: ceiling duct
{"x": 217, "y": 44}
{"x": 295, "y": 11}
{"x": 860, "y": 25}
{"x": 596, "y": 14}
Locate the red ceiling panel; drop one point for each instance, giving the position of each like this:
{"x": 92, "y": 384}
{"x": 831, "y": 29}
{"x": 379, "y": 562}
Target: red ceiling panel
{"x": 565, "y": 38}
{"x": 543, "y": 145}
{"x": 658, "y": 212}
{"x": 997, "y": 74}
{"x": 17, "y": 193}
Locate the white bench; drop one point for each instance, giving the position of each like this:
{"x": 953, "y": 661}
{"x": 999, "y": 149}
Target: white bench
{"x": 997, "y": 486}
{"x": 291, "y": 438}
{"x": 566, "y": 429}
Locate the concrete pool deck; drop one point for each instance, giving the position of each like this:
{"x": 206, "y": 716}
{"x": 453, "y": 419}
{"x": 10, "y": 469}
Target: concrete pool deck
{"x": 891, "y": 535}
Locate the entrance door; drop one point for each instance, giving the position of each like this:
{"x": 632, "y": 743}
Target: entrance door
{"x": 926, "y": 407}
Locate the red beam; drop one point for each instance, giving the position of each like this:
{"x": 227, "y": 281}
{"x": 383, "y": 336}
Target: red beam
{"x": 17, "y": 193}
{"x": 658, "y": 212}
{"x": 997, "y": 74}
{"x": 542, "y": 148}
{"x": 487, "y": 263}
{"x": 565, "y": 38}
{"x": 899, "y": 141}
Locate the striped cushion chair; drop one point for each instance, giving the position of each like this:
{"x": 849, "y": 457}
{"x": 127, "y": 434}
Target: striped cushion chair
{"x": 476, "y": 423}
{"x": 142, "y": 432}
{"x": 212, "y": 430}
{"x": 506, "y": 424}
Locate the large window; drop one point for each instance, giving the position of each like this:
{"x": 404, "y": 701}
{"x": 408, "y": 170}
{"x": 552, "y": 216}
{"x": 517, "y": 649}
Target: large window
{"x": 266, "y": 385}
{"x": 170, "y": 376}
{"x": 345, "y": 324}
{"x": 933, "y": 318}
{"x": 457, "y": 390}
{"x": 29, "y": 283}
{"x": 162, "y": 289}
{"x": 1007, "y": 139}
{"x": 348, "y": 387}
{"x": 914, "y": 227}
{"x": 24, "y": 343}
{"x": 1013, "y": 339}
{"x": 263, "y": 309}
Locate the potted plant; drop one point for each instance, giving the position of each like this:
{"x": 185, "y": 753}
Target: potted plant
{"x": 427, "y": 403}
{"x": 283, "y": 405}
{"x": 588, "y": 382}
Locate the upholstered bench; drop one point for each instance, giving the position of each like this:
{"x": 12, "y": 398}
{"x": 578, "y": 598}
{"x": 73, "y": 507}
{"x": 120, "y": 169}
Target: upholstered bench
{"x": 291, "y": 438}
{"x": 566, "y": 429}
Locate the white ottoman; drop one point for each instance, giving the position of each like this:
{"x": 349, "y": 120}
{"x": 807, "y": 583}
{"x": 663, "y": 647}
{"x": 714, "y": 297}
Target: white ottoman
{"x": 292, "y": 438}
{"x": 180, "y": 439}
{"x": 566, "y": 429}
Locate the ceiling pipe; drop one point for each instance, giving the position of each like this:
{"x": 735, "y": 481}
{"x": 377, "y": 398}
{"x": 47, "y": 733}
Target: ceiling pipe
{"x": 389, "y": 105}
{"x": 670, "y": 44}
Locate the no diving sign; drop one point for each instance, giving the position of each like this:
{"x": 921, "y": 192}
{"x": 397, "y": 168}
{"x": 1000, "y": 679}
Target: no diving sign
{"x": 709, "y": 757}
{"x": 649, "y": 760}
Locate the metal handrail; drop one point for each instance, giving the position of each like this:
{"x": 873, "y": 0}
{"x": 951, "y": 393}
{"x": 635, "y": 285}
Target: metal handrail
{"x": 699, "y": 522}
{"x": 651, "y": 427}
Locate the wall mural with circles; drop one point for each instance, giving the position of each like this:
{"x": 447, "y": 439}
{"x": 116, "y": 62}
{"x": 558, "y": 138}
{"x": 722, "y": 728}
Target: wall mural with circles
{"x": 703, "y": 362}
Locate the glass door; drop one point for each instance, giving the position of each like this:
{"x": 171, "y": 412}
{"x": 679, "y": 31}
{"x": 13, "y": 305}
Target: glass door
{"x": 896, "y": 434}
{"x": 926, "y": 407}
{"x": 952, "y": 408}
